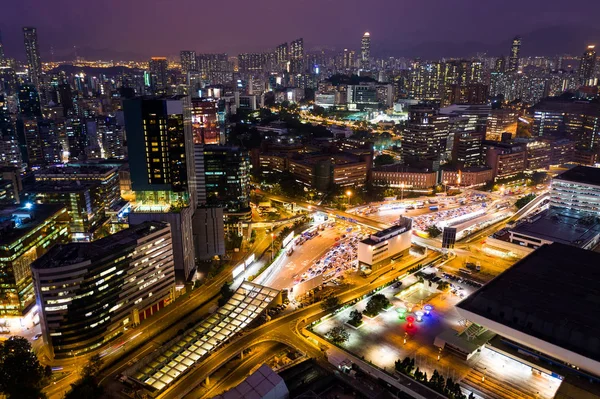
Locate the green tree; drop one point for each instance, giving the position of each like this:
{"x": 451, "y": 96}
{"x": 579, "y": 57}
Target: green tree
{"x": 226, "y": 293}
{"x": 434, "y": 231}
{"x": 376, "y": 304}
{"x": 330, "y": 303}
{"x": 521, "y": 202}
{"x": 338, "y": 335}
{"x": 92, "y": 367}
{"x": 355, "y": 318}
{"x": 384, "y": 159}
{"x": 21, "y": 375}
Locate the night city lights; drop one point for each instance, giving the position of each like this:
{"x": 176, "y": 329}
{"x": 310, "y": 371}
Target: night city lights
{"x": 299, "y": 199}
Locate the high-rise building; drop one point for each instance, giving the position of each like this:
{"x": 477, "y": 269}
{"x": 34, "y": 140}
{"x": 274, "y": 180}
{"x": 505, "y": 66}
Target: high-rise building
{"x": 227, "y": 174}
{"x": 205, "y": 122}
{"x": 587, "y": 67}
{"x": 25, "y": 235}
{"x": 365, "y": 51}
{"x": 158, "y": 74}
{"x": 121, "y": 279}
{"x": 1, "y": 48}
{"x": 32, "y": 50}
{"x": 348, "y": 59}
{"x": 161, "y": 162}
{"x": 425, "y": 137}
{"x": 426, "y": 80}
{"x": 29, "y": 101}
{"x": 10, "y": 153}
{"x": 161, "y": 153}
{"x": 297, "y": 56}
{"x": 282, "y": 56}
{"x": 188, "y": 61}
{"x": 515, "y": 51}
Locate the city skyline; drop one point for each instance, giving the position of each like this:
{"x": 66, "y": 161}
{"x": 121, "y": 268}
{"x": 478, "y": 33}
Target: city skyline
{"x": 453, "y": 30}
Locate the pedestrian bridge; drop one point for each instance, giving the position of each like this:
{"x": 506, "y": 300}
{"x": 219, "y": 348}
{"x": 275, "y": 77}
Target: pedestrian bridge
{"x": 246, "y": 304}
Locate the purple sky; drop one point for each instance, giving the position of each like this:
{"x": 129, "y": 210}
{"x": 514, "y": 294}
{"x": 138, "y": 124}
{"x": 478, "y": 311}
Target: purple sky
{"x": 163, "y": 27}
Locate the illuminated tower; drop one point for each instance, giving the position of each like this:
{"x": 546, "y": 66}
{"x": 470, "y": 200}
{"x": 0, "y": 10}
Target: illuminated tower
{"x": 365, "y": 50}
{"x": 297, "y": 56}
{"x": 188, "y": 61}
{"x": 587, "y": 67}
{"x": 515, "y": 51}
{"x": 158, "y": 71}
{"x": 32, "y": 50}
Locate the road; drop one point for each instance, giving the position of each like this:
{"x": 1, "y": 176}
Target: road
{"x": 283, "y": 329}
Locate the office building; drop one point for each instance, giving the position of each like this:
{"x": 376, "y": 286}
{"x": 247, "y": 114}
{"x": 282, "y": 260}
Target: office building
{"x": 348, "y": 59}
{"x": 425, "y": 137}
{"x": 106, "y": 175}
{"x": 26, "y": 234}
{"x": 467, "y": 177}
{"x": 227, "y": 177}
{"x": 579, "y": 121}
{"x": 161, "y": 152}
{"x": 361, "y": 97}
{"x": 515, "y": 52}
{"x": 501, "y": 121}
{"x": 188, "y": 61}
{"x": 30, "y": 142}
{"x": 120, "y": 280}
{"x": 205, "y": 121}
{"x": 578, "y": 189}
{"x": 365, "y": 51}
{"x": 163, "y": 174}
{"x": 297, "y": 56}
{"x": 587, "y": 67}
{"x": 209, "y": 232}
{"x": 32, "y": 51}
{"x": 29, "y": 101}
{"x": 400, "y": 176}
{"x": 539, "y": 155}
{"x": 505, "y": 159}
{"x": 10, "y": 152}
{"x": 386, "y": 245}
{"x": 84, "y": 202}
{"x": 467, "y": 149}
{"x": 543, "y": 307}
{"x": 158, "y": 67}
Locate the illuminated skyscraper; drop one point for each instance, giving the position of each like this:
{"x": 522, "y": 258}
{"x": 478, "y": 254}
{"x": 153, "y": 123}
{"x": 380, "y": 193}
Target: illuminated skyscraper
{"x": 365, "y": 51}
{"x": 282, "y": 55}
{"x": 587, "y": 67}
{"x": 1, "y": 48}
{"x": 515, "y": 51}
{"x": 32, "y": 50}
{"x": 425, "y": 137}
{"x": 188, "y": 61}
{"x": 158, "y": 72}
{"x": 297, "y": 56}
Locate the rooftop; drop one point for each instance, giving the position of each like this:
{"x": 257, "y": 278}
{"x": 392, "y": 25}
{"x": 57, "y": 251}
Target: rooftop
{"x": 552, "y": 294}
{"x": 10, "y": 232}
{"x": 581, "y": 174}
{"x": 76, "y": 252}
{"x": 404, "y": 224}
{"x": 561, "y": 225}
{"x": 74, "y": 170}
{"x": 256, "y": 385}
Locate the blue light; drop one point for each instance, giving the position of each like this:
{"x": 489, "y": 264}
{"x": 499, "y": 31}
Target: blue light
{"x": 28, "y": 205}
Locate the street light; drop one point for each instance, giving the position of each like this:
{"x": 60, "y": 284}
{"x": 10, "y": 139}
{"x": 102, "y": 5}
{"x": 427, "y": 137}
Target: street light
{"x": 401, "y": 191}
{"x": 272, "y": 237}
{"x": 446, "y": 187}
{"x": 349, "y": 194}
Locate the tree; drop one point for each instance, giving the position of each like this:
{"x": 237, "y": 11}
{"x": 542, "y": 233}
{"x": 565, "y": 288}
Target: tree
{"x": 330, "y": 303}
{"x": 226, "y": 293}
{"x": 355, "y": 318}
{"x": 21, "y": 375}
{"x": 92, "y": 367}
{"x": 338, "y": 335}
{"x": 376, "y": 304}
{"x": 521, "y": 202}
{"x": 384, "y": 159}
{"x": 434, "y": 231}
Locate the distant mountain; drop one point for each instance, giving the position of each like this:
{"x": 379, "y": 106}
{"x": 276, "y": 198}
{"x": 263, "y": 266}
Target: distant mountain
{"x": 544, "y": 42}
{"x": 109, "y": 71}
{"x": 89, "y": 53}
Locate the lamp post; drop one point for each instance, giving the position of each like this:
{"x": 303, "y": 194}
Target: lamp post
{"x": 401, "y": 191}
{"x": 349, "y": 194}
{"x": 446, "y": 187}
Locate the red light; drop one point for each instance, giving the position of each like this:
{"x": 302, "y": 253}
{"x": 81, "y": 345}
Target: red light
{"x": 410, "y": 321}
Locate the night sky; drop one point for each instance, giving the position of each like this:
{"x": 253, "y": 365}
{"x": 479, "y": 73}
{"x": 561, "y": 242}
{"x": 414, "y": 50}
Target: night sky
{"x": 141, "y": 28}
